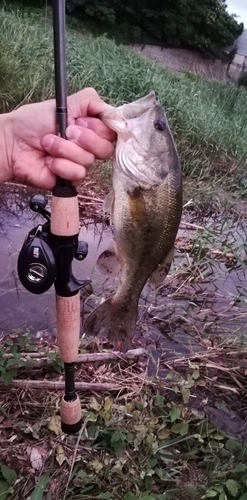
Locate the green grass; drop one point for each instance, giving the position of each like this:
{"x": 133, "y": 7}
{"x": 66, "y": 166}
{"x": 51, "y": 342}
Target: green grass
{"x": 208, "y": 119}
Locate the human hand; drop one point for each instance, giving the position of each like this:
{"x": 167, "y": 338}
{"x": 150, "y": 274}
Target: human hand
{"x": 36, "y": 155}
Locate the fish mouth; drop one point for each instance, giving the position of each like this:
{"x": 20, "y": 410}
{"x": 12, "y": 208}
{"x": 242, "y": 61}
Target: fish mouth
{"x": 116, "y": 118}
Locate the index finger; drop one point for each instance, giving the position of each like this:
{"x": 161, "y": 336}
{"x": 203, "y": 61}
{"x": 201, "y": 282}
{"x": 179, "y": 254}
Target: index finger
{"x": 98, "y": 127}
{"x": 86, "y": 103}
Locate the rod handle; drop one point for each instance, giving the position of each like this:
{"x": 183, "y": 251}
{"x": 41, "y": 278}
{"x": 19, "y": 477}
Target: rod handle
{"x": 64, "y": 216}
{"x": 68, "y": 326}
{"x": 70, "y": 412}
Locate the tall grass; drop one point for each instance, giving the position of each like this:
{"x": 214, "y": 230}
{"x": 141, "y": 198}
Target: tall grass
{"x": 208, "y": 119}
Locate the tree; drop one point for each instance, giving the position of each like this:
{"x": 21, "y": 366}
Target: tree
{"x": 202, "y": 24}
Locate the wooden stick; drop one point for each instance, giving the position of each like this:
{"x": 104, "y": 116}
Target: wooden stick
{"x": 59, "y": 386}
{"x": 111, "y": 356}
{"x": 83, "y": 358}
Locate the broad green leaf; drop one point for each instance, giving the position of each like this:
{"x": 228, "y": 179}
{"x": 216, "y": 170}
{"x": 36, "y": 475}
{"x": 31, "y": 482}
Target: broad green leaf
{"x": 13, "y": 349}
{"x": 152, "y": 462}
{"x": 8, "y": 474}
{"x": 38, "y": 492}
{"x": 31, "y": 348}
{"x": 9, "y": 375}
{"x": 130, "y": 496}
{"x": 87, "y": 489}
{"x": 52, "y": 355}
{"x": 3, "y": 411}
{"x": 239, "y": 468}
{"x": 57, "y": 365}
{"x": 210, "y": 494}
{"x": 243, "y": 497}
{"x": 175, "y": 414}
{"x": 219, "y": 488}
{"x": 105, "y": 496}
{"x": 222, "y": 496}
{"x": 233, "y": 445}
{"x": 232, "y": 486}
{"x": 180, "y": 428}
{"x": 117, "y": 437}
{"x": 4, "y": 489}
{"x": 118, "y": 448}
{"x": 23, "y": 340}
{"x": 159, "y": 400}
{"x": 11, "y": 362}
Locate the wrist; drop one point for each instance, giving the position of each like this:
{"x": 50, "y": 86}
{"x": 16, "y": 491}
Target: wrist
{"x": 6, "y": 146}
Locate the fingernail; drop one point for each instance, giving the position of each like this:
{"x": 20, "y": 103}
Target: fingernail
{"x": 73, "y": 133}
{"x": 47, "y": 141}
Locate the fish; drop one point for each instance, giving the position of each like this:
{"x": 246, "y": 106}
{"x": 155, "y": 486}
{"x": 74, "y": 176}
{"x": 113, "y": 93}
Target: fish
{"x": 145, "y": 206}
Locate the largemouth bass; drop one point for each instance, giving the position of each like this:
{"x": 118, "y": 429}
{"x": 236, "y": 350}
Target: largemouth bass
{"x": 146, "y": 205}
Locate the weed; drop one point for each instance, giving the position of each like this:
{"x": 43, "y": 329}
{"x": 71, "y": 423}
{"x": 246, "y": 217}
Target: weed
{"x": 207, "y": 118}
{"x": 152, "y": 440}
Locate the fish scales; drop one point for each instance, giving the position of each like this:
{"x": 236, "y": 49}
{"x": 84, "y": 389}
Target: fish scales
{"x": 145, "y": 212}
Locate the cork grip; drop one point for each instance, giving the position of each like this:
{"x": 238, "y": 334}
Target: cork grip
{"x": 64, "y": 216}
{"x": 68, "y": 326}
{"x": 70, "y": 412}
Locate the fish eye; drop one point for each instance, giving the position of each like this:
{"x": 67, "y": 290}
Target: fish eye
{"x": 160, "y": 125}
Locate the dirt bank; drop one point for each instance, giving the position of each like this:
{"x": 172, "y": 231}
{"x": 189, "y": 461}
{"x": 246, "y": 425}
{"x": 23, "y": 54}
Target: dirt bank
{"x": 184, "y": 60}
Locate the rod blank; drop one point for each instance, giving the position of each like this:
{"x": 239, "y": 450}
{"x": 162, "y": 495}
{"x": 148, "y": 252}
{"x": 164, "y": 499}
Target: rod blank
{"x": 65, "y": 229}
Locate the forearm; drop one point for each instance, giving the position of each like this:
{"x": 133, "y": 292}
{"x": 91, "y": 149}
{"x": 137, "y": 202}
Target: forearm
{"x": 6, "y": 144}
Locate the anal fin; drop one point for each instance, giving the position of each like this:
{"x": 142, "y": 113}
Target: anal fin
{"x": 108, "y": 263}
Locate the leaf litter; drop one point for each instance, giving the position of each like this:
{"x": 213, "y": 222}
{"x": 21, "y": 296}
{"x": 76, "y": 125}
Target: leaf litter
{"x": 171, "y": 422}
{"x": 155, "y": 433}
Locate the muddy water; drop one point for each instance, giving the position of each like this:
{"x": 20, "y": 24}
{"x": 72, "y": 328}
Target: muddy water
{"x": 200, "y": 301}
{"x": 18, "y": 307}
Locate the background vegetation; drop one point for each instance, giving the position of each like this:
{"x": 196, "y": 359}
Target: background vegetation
{"x": 204, "y": 24}
{"x": 207, "y": 118}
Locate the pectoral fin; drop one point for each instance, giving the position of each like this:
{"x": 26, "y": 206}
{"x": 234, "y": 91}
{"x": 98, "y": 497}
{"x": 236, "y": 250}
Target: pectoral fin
{"x": 108, "y": 202}
{"x": 108, "y": 263}
{"x": 156, "y": 279}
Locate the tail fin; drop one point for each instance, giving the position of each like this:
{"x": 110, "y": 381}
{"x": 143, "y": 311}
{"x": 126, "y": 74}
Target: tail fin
{"x": 114, "y": 321}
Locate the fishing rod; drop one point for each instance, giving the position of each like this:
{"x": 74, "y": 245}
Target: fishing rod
{"x": 49, "y": 249}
